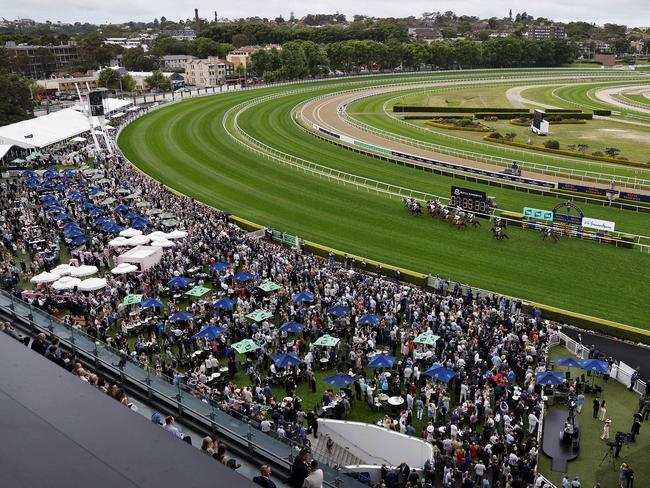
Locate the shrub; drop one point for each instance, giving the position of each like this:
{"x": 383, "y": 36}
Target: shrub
{"x": 495, "y": 135}
{"x": 552, "y": 144}
{"x": 598, "y": 154}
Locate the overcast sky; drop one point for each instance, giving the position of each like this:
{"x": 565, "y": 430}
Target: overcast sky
{"x": 629, "y": 12}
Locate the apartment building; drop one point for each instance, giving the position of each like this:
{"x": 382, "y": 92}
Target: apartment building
{"x": 208, "y": 72}
{"x": 39, "y": 62}
{"x": 177, "y": 62}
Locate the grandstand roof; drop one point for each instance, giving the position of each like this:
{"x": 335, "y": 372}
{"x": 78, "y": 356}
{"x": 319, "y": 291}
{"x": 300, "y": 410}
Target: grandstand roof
{"x": 46, "y": 130}
{"x": 59, "y": 431}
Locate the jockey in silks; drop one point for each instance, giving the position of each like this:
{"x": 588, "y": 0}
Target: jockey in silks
{"x": 470, "y": 217}
{"x": 444, "y": 212}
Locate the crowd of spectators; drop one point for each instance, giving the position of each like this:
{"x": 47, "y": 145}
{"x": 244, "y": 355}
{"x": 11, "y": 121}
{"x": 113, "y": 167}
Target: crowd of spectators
{"x": 482, "y": 423}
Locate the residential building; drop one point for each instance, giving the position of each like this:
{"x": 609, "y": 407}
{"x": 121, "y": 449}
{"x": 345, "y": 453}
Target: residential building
{"x": 68, "y": 84}
{"x": 424, "y": 34}
{"x": 179, "y": 34}
{"x": 176, "y": 62}
{"x": 140, "y": 76}
{"x": 546, "y": 31}
{"x": 208, "y": 72}
{"x": 129, "y": 42}
{"x": 40, "y": 61}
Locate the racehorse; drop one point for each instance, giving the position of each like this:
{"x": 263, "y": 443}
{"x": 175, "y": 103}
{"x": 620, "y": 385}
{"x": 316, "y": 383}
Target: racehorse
{"x": 472, "y": 220}
{"x": 550, "y": 232}
{"x": 498, "y": 233}
{"x": 413, "y": 205}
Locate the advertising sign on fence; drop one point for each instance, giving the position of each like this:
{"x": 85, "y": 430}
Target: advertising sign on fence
{"x": 597, "y": 224}
{"x": 536, "y": 213}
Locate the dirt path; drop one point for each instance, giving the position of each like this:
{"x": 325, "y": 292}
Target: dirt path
{"x": 606, "y": 96}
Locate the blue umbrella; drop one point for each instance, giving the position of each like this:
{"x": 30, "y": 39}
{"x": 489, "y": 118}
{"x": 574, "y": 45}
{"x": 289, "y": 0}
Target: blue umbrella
{"x": 596, "y": 365}
{"x": 243, "y": 276}
{"x": 381, "y": 361}
{"x": 339, "y": 311}
{"x": 101, "y": 220}
{"x": 133, "y": 215}
{"x": 59, "y": 187}
{"x": 76, "y": 197}
{"x": 339, "y": 380}
{"x": 93, "y": 191}
{"x": 303, "y": 297}
{"x": 62, "y": 216}
{"x": 549, "y": 378}
{"x": 179, "y": 282}
{"x": 151, "y": 303}
{"x": 71, "y": 225}
{"x": 181, "y": 317}
{"x": 139, "y": 223}
{"x": 87, "y": 205}
{"x": 209, "y": 332}
{"x": 54, "y": 210}
{"x": 32, "y": 184}
{"x": 369, "y": 319}
{"x": 27, "y": 172}
{"x": 570, "y": 362}
{"x": 113, "y": 228}
{"x": 78, "y": 241}
{"x": 121, "y": 208}
{"x": 218, "y": 266}
{"x": 107, "y": 225}
{"x": 440, "y": 373}
{"x": 96, "y": 212}
{"x": 224, "y": 303}
{"x": 72, "y": 233}
{"x": 51, "y": 202}
{"x": 284, "y": 360}
{"x": 291, "y": 327}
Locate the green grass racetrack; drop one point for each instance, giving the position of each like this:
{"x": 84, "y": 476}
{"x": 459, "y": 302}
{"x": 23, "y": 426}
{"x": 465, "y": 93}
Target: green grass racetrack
{"x": 185, "y": 146}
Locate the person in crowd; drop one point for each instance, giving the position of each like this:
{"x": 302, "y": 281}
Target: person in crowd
{"x": 264, "y": 478}
{"x": 315, "y": 477}
{"x": 299, "y": 470}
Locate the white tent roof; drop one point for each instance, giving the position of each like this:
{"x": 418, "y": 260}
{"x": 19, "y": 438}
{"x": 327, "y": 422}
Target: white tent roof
{"x": 46, "y": 130}
{"x": 4, "y": 149}
{"x": 110, "y": 104}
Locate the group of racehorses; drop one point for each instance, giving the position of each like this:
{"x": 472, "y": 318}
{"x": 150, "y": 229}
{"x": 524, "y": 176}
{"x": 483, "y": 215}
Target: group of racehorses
{"x": 461, "y": 219}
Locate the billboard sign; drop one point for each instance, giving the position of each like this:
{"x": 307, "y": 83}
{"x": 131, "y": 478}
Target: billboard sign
{"x": 597, "y": 224}
{"x": 468, "y": 199}
{"x": 537, "y": 214}
{"x": 96, "y": 103}
{"x": 568, "y": 218}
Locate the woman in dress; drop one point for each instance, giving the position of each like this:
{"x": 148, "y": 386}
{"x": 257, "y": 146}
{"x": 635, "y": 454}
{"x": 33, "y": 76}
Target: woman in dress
{"x": 602, "y": 413}
{"x": 605, "y": 435}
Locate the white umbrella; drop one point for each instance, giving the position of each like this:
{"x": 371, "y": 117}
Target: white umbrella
{"x": 118, "y": 242}
{"x": 66, "y": 283}
{"x": 92, "y": 284}
{"x": 45, "y": 277}
{"x": 63, "y": 269}
{"x": 137, "y": 240}
{"x": 83, "y": 270}
{"x": 130, "y": 232}
{"x": 157, "y": 235}
{"x": 109, "y": 127}
{"x": 162, "y": 243}
{"x": 124, "y": 268}
{"x": 176, "y": 234}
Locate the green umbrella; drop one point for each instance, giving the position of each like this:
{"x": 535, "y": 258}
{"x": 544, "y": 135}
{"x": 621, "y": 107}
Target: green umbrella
{"x": 143, "y": 204}
{"x": 167, "y": 215}
{"x": 327, "y": 340}
{"x": 108, "y": 201}
{"x": 197, "y": 291}
{"x": 18, "y": 161}
{"x": 245, "y": 346}
{"x": 103, "y": 181}
{"x": 154, "y": 211}
{"x": 132, "y": 299}
{"x": 269, "y": 286}
{"x": 123, "y": 191}
{"x": 170, "y": 223}
{"x": 426, "y": 338}
{"x": 99, "y": 194}
{"x": 259, "y": 315}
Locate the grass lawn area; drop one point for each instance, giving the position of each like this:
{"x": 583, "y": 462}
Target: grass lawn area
{"x": 468, "y": 97}
{"x": 185, "y": 146}
{"x": 621, "y": 405}
{"x": 632, "y": 141}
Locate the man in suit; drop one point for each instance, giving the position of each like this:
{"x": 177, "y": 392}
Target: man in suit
{"x": 299, "y": 470}
{"x": 264, "y": 478}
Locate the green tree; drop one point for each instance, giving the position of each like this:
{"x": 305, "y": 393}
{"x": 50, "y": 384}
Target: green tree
{"x": 202, "y": 47}
{"x": 93, "y": 53}
{"x": 109, "y": 78}
{"x": 294, "y": 61}
{"x": 239, "y": 40}
{"x": 157, "y": 81}
{"x": 16, "y": 102}
{"x": 135, "y": 59}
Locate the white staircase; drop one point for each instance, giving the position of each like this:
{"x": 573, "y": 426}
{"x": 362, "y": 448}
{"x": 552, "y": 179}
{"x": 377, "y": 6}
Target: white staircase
{"x": 337, "y": 456}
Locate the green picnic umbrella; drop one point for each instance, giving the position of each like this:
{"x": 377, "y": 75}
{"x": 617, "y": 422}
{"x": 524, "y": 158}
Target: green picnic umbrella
{"x": 327, "y": 340}
{"x": 427, "y": 338}
{"x": 132, "y": 299}
{"x": 197, "y": 291}
{"x": 167, "y": 215}
{"x": 259, "y": 315}
{"x": 269, "y": 286}
{"x": 99, "y": 194}
{"x": 245, "y": 346}
{"x": 108, "y": 201}
{"x": 154, "y": 211}
{"x": 170, "y": 223}
{"x": 18, "y": 161}
{"x": 103, "y": 181}
{"x": 143, "y": 204}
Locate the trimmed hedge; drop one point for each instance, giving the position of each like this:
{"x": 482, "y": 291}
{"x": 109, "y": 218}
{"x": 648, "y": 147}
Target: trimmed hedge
{"x": 608, "y": 327}
{"x": 467, "y": 110}
{"x": 603, "y": 113}
{"x": 503, "y": 115}
{"x": 563, "y": 152}
{"x": 428, "y": 117}
{"x": 453, "y": 127}
{"x": 562, "y": 111}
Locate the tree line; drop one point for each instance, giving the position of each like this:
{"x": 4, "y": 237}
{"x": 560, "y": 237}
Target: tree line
{"x": 302, "y": 59}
